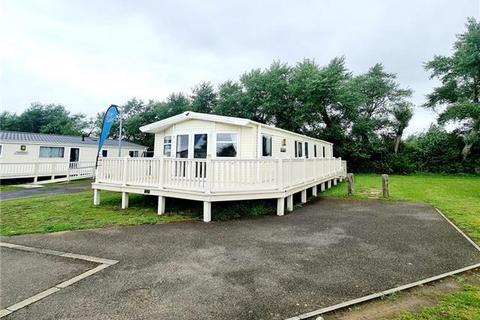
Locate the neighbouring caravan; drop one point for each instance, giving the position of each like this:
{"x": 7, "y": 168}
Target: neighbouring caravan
{"x": 33, "y": 155}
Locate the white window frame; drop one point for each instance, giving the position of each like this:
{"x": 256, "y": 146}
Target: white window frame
{"x": 171, "y": 143}
{"x": 268, "y": 136}
{"x": 237, "y": 135}
{"x": 189, "y": 145}
{"x": 40, "y": 152}
{"x": 192, "y": 138}
{"x": 300, "y": 152}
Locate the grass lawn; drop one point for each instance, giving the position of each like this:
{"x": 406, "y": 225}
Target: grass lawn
{"x": 76, "y": 211}
{"x": 8, "y": 187}
{"x": 458, "y": 197}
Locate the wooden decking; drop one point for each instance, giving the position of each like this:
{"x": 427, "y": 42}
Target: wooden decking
{"x": 211, "y": 180}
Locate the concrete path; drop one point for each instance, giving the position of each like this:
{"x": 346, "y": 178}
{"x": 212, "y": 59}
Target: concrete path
{"x": 61, "y": 188}
{"x": 266, "y": 268}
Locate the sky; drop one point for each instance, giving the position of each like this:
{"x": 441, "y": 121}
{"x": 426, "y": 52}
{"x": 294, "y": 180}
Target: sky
{"x": 87, "y": 55}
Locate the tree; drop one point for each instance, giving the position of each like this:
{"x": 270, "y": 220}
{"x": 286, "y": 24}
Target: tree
{"x": 459, "y": 93}
{"x": 203, "y": 98}
{"x": 231, "y": 101}
{"x": 41, "y": 118}
{"x": 402, "y": 114}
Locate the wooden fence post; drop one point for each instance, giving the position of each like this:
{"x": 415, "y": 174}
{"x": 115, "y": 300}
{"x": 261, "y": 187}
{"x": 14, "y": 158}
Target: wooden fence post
{"x": 386, "y": 194}
{"x": 350, "y": 181}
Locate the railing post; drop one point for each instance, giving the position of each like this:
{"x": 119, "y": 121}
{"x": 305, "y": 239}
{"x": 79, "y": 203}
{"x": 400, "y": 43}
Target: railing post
{"x": 125, "y": 169}
{"x": 280, "y": 173}
{"x": 35, "y": 172}
{"x": 68, "y": 171}
{"x": 209, "y": 175}
{"x": 304, "y": 170}
{"x": 162, "y": 173}
{"x": 54, "y": 167}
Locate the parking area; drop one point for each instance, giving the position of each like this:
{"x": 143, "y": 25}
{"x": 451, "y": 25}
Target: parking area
{"x": 272, "y": 267}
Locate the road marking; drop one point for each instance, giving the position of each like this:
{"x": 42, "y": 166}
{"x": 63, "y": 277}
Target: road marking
{"x": 104, "y": 263}
{"x": 397, "y": 289}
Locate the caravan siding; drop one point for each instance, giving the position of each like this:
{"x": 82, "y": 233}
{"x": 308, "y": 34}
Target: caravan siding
{"x": 12, "y": 152}
{"x": 246, "y": 144}
{"x": 290, "y": 139}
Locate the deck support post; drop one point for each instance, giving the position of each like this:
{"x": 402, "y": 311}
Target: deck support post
{"x": 280, "y": 206}
{"x": 207, "y": 211}
{"x": 290, "y": 203}
{"x": 322, "y": 186}
{"x": 124, "y": 200}
{"x": 304, "y": 196}
{"x": 161, "y": 205}
{"x": 335, "y": 181}
{"x": 96, "y": 197}
{"x": 329, "y": 184}
{"x": 314, "y": 191}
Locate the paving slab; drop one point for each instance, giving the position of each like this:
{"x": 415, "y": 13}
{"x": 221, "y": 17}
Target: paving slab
{"x": 24, "y": 274}
{"x": 265, "y": 268}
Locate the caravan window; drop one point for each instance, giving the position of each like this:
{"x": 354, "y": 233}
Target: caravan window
{"x": 227, "y": 144}
{"x": 298, "y": 149}
{"x": 104, "y": 153}
{"x": 200, "y": 145}
{"x": 314, "y": 150}
{"x": 52, "y": 152}
{"x": 266, "y": 145}
{"x": 182, "y": 146}
{"x": 133, "y": 153}
{"x": 167, "y": 146}
{"x": 306, "y": 149}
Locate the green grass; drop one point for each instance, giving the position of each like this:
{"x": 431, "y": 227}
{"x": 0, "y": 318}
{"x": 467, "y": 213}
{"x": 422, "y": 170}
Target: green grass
{"x": 458, "y": 197}
{"x": 8, "y": 187}
{"x": 461, "y": 305}
{"x": 75, "y": 211}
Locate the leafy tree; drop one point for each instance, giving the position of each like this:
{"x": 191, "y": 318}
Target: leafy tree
{"x": 204, "y": 98}
{"x": 402, "y": 114}
{"x": 459, "y": 92}
{"x": 231, "y": 101}
{"x": 41, "y": 118}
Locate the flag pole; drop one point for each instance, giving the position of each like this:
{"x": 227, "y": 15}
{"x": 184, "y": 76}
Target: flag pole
{"x": 120, "y": 133}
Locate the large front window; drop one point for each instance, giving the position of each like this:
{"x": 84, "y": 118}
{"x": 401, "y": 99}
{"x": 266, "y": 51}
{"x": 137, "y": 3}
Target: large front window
{"x": 226, "y": 144}
{"x": 167, "y": 146}
{"x": 266, "y": 145}
{"x": 52, "y": 152}
{"x": 200, "y": 146}
{"x": 182, "y": 146}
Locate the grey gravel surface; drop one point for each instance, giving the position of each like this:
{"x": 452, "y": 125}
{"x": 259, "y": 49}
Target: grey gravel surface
{"x": 265, "y": 268}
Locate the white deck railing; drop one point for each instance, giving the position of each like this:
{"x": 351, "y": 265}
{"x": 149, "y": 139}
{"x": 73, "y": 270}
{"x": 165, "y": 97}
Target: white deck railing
{"x": 71, "y": 170}
{"x": 217, "y": 175}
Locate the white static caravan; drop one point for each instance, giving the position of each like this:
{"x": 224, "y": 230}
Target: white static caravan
{"x": 213, "y": 158}
{"x": 34, "y": 155}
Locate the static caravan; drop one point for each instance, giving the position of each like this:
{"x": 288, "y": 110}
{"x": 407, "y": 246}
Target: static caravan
{"x": 34, "y": 155}
{"x": 212, "y": 158}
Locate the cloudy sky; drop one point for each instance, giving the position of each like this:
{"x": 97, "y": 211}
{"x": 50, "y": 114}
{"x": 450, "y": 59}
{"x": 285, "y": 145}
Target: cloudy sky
{"x": 87, "y": 55}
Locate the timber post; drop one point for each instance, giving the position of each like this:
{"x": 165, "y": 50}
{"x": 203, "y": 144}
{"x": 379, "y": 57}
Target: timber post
{"x": 350, "y": 181}
{"x": 385, "y": 191}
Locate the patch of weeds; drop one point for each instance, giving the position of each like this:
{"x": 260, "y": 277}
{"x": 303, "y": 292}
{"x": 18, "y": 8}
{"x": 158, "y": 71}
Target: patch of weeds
{"x": 392, "y": 296}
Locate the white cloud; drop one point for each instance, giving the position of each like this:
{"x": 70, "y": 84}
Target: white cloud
{"x": 89, "y": 54}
